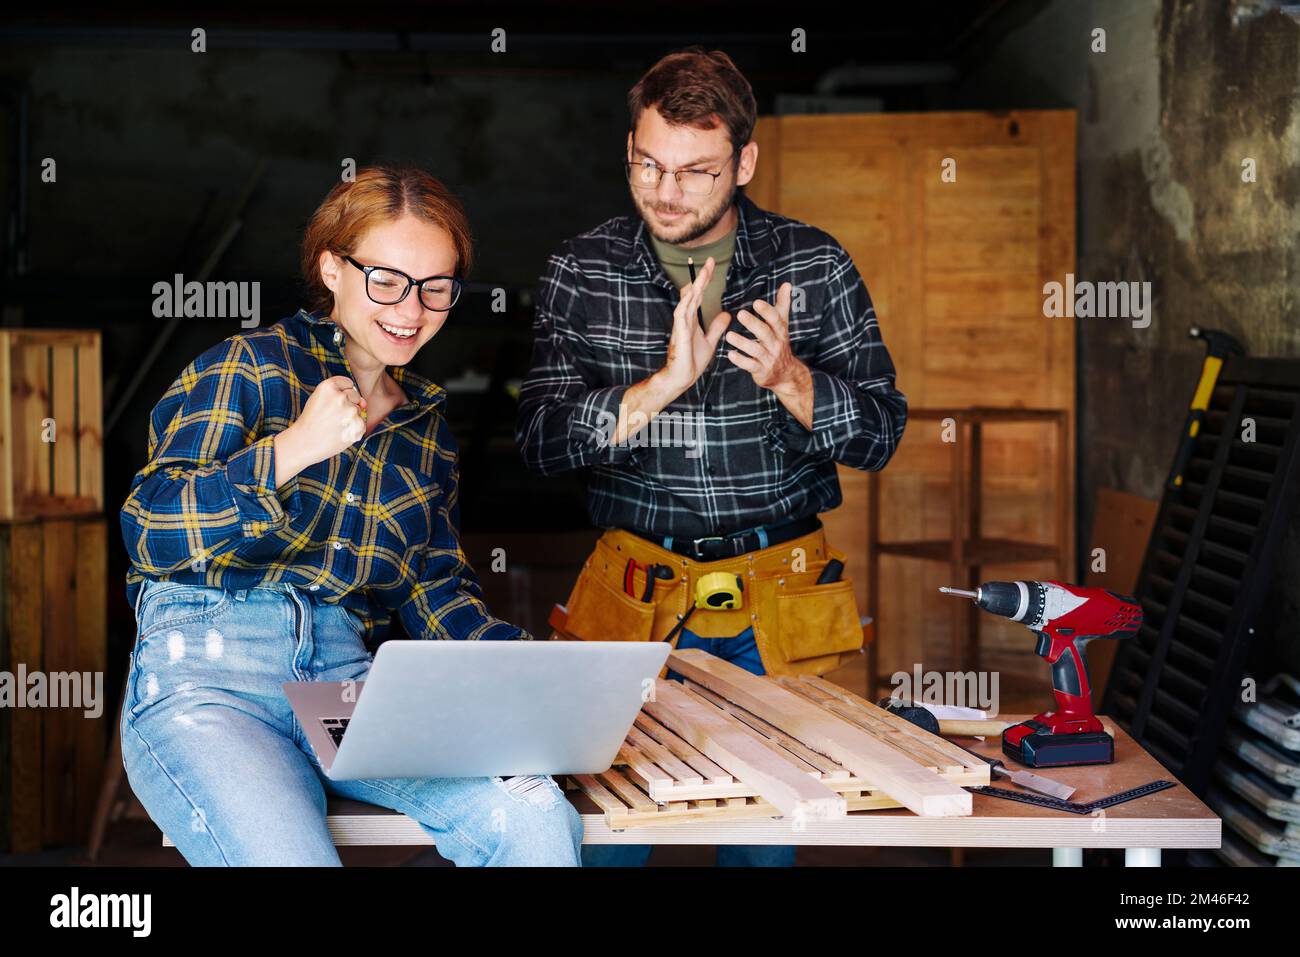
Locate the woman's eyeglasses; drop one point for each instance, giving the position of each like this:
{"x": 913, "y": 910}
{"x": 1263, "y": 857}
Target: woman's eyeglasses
{"x": 387, "y": 287}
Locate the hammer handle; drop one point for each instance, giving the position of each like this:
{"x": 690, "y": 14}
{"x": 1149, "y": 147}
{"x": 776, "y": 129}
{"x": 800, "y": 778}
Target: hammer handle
{"x": 963, "y": 728}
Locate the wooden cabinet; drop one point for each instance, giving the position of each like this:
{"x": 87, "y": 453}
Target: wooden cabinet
{"x": 956, "y": 221}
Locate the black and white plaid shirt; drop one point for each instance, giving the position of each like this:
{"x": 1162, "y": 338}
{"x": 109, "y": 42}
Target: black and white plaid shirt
{"x": 726, "y": 455}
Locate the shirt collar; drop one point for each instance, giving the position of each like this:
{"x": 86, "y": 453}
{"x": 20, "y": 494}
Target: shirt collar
{"x": 331, "y": 336}
{"x": 755, "y": 240}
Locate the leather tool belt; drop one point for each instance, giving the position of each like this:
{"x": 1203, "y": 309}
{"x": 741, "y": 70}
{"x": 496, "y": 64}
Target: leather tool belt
{"x": 800, "y": 627}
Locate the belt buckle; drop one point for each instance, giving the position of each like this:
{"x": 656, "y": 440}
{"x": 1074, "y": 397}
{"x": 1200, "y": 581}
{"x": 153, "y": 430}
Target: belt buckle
{"x": 695, "y": 544}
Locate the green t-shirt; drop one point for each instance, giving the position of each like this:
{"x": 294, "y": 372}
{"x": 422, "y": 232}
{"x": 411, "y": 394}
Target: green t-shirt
{"x": 673, "y": 259}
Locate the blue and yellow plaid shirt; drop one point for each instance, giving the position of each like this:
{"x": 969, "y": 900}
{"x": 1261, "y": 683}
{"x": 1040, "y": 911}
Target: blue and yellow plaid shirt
{"x": 375, "y": 528}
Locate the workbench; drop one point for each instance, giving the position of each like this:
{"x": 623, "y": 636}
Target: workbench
{"x": 1173, "y": 818}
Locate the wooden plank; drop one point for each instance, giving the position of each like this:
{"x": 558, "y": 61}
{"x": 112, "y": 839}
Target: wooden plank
{"x": 614, "y": 808}
{"x": 915, "y": 787}
{"x": 59, "y": 657}
{"x": 644, "y": 767}
{"x": 63, "y": 409}
{"x": 822, "y": 765}
{"x": 911, "y": 746}
{"x": 7, "y": 432}
{"x": 1121, "y": 525}
{"x": 926, "y": 748}
{"x": 26, "y": 614}
{"x": 772, "y": 745}
{"x": 957, "y": 758}
{"x": 716, "y": 735}
{"x": 91, "y": 658}
{"x": 6, "y": 773}
{"x": 31, "y": 405}
{"x": 682, "y": 773}
{"x": 626, "y": 791}
{"x": 689, "y": 755}
{"x": 90, "y": 423}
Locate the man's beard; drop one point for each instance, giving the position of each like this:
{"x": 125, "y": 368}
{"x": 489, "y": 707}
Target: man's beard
{"x": 706, "y": 219}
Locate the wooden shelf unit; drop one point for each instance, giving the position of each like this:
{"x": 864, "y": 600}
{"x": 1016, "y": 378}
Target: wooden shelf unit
{"x": 968, "y": 549}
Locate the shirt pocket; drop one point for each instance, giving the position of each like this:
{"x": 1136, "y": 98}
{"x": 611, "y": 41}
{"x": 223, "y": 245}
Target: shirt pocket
{"x": 627, "y": 351}
{"x": 408, "y": 503}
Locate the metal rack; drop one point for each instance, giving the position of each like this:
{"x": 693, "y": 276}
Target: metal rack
{"x": 1208, "y": 570}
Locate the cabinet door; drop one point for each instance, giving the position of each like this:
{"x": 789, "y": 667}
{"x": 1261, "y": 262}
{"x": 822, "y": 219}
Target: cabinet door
{"x": 956, "y": 221}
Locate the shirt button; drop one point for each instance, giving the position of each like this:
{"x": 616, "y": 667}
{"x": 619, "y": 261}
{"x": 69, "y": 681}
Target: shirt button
{"x": 350, "y": 497}
{"x": 337, "y": 546}
{"x": 313, "y": 587}
{"x": 338, "y": 336}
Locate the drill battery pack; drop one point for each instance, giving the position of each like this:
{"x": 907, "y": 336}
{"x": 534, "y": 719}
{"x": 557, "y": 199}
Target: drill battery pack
{"x": 1034, "y": 745}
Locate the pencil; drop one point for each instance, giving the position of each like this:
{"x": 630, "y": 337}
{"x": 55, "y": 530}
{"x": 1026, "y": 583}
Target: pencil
{"x": 690, "y": 264}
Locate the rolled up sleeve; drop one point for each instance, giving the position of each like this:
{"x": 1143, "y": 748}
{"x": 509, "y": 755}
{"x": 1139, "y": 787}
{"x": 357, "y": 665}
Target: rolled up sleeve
{"x": 209, "y": 485}
{"x": 567, "y": 419}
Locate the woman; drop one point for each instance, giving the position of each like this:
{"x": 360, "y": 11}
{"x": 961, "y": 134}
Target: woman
{"x": 301, "y": 487}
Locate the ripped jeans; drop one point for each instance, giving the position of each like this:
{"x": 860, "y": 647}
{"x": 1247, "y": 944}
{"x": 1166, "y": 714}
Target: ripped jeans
{"x": 218, "y": 758}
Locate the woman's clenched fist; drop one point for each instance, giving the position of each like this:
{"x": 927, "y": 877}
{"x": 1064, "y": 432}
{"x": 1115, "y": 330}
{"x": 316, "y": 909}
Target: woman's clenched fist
{"x": 332, "y": 419}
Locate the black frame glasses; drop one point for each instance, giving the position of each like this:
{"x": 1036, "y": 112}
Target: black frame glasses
{"x": 456, "y": 286}
{"x": 630, "y": 167}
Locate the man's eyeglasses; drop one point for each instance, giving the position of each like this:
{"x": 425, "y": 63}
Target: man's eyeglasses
{"x": 647, "y": 175}
{"x": 390, "y": 286}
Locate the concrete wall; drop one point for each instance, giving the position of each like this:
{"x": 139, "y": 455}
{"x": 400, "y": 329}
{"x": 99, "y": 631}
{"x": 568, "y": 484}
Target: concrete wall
{"x": 1184, "y": 92}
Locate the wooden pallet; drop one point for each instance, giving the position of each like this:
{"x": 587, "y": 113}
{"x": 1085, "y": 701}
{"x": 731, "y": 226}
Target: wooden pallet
{"x": 659, "y": 777}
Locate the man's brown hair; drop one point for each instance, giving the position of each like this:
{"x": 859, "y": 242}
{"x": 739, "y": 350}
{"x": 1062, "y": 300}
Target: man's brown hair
{"x": 378, "y": 195}
{"x": 697, "y": 87}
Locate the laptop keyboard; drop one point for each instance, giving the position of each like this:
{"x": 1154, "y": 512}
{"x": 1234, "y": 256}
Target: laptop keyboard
{"x": 335, "y": 727}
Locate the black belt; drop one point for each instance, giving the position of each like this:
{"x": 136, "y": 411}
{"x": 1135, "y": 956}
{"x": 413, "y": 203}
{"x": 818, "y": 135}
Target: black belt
{"x": 716, "y": 547}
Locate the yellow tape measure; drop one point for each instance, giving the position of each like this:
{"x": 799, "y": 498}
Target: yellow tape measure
{"x": 719, "y": 590}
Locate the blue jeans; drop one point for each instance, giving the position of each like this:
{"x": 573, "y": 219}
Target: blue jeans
{"x": 214, "y": 752}
{"x": 741, "y": 650}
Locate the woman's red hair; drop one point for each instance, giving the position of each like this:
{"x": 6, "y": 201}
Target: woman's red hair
{"x": 378, "y": 195}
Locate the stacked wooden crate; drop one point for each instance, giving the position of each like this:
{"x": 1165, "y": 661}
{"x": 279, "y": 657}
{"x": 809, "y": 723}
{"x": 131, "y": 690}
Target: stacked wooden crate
{"x": 53, "y": 592}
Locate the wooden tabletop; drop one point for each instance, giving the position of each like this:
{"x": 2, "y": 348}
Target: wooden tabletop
{"x": 1173, "y": 818}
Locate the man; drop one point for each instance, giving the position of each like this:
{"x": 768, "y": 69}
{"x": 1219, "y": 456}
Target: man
{"x": 799, "y": 380}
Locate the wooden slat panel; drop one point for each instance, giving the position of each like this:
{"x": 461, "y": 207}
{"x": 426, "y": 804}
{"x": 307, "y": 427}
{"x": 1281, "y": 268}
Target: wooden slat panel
{"x": 91, "y": 658}
{"x": 689, "y": 755}
{"x": 899, "y": 776}
{"x": 31, "y": 405}
{"x": 59, "y": 656}
{"x": 6, "y": 768}
{"x": 707, "y": 729}
{"x": 6, "y": 429}
{"x": 63, "y": 409}
{"x": 26, "y": 615}
{"x": 90, "y": 431}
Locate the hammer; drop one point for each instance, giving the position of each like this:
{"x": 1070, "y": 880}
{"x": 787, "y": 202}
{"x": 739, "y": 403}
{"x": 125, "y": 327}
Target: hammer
{"x": 924, "y": 719}
{"x": 1218, "y": 347}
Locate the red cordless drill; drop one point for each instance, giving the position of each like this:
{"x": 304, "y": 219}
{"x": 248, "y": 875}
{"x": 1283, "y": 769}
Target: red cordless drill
{"x": 1065, "y": 618}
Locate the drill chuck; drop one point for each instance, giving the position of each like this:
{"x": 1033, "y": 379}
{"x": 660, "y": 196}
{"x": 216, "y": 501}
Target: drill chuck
{"x": 1018, "y": 600}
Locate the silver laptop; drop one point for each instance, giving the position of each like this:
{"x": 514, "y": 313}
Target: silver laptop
{"x": 479, "y": 708}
